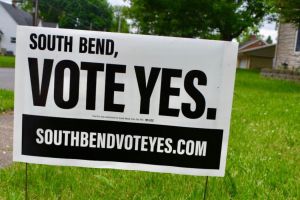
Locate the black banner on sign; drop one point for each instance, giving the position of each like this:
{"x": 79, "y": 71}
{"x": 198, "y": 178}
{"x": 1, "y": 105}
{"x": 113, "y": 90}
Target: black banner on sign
{"x": 101, "y": 140}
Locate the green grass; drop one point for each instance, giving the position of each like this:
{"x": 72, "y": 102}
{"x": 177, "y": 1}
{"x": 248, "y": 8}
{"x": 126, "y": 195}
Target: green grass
{"x": 263, "y": 158}
{"x": 6, "y": 100}
{"x": 7, "y": 61}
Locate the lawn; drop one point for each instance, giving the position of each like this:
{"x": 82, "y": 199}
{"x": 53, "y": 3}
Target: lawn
{"x": 6, "y": 100}
{"x": 7, "y": 61}
{"x": 263, "y": 158}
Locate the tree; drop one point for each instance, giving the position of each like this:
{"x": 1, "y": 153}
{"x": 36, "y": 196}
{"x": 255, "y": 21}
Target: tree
{"x": 269, "y": 40}
{"x": 249, "y": 34}
{"x": 120, "y": 23}
{"x": 218, "y": 19}
{"x": 79, "y": 14}
{"x": 289, "y": 10}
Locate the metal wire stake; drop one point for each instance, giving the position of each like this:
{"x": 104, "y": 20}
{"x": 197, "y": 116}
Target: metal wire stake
{"x": 205, "y": 190}
{"x": 26, "y": 181}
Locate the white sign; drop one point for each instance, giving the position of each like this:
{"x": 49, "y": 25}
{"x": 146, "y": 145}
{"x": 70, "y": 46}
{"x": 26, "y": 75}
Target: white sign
{"x": 123, "y": 101}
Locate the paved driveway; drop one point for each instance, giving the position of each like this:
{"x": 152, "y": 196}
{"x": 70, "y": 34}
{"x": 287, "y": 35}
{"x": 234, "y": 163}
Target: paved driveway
{"x": 7, "y": 78}
{"x": 6, "y": 139}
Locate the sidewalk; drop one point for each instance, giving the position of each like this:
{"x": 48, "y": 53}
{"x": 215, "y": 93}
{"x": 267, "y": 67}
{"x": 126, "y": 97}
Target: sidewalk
{"x": 7, "y": 77}
{"x": 6, "y": 138}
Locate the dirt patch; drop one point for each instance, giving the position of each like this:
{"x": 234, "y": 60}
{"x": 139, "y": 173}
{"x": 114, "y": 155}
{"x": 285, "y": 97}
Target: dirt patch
{"x": 6, "y": 138}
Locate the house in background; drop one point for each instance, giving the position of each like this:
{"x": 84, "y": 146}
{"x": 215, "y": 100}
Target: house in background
{"x": 252, "y": 43}
{"x": 257, "y": 57}
{"x": 10, "y": 17}
{"x": 288, "y": 47}
{"x": 256, "y": 53}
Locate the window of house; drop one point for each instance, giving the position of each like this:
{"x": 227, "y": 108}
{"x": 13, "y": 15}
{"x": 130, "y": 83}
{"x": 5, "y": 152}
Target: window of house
{"x": 13, "y": 40}
{"x": 298, "y": 41}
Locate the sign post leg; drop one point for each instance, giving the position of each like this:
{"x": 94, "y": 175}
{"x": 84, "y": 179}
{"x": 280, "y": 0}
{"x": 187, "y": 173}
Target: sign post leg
{"x": 205, "y": 189}
{"x": 26, "y": 181}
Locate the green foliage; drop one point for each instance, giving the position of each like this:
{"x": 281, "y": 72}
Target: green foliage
{"x": 79, "y": 14}
{"x": 263, "y": 158}
{"x": 120, "y": 20}
{"x": 269, "y": 40}
{"x": 7, "y": 61}
{"x": 248, "y": 33}
{"x": 6, "y": 101}
{"x": 91, "y": 14}
{"x": 289, "y": 10}
{"x": 217, "y": 19}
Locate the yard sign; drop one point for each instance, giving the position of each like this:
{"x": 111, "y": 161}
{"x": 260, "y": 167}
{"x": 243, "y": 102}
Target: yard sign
{"x": 123, "y": 101}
